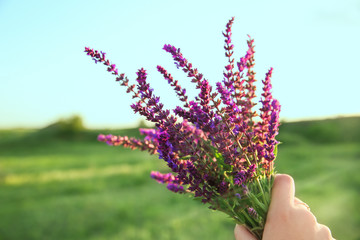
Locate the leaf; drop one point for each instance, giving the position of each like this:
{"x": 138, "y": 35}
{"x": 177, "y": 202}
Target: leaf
{"x": 187, "y": 157}
{"x": 220, "y": 160}
{"x": 276, "y": 149}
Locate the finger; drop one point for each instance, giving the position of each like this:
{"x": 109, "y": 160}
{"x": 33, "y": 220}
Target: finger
{"x": 283, "y": 192}
{"x": 298, "y": 202}
{"x": 241, "y": 233}
{"x": 324, "y": 232}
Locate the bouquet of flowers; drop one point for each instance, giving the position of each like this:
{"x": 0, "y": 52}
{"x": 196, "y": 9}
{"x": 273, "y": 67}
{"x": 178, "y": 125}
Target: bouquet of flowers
{"x": 219, "y": 150}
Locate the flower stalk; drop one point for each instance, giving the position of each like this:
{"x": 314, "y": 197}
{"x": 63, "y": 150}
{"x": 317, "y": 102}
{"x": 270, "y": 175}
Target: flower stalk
{"x": 216, "y": 149}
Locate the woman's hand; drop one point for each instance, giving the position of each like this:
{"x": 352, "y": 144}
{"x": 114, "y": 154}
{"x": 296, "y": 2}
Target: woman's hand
{"x": 288, "y": 218}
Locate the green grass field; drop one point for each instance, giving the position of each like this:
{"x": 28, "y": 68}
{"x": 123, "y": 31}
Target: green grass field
{"x": 58, "y": 188}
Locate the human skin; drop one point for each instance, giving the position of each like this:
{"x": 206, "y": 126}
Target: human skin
{"x": 288, "y": 218}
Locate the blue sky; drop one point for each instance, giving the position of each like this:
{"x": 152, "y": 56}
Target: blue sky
{"x": 44, "y": 74}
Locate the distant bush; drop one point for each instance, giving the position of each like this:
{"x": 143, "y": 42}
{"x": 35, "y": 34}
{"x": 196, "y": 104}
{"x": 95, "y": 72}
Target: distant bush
{"x": 71, "y": 125}
{"x": 64, "y": 128}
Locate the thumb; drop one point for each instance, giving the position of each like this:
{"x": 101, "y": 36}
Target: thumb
{"x": 241, "y": 233}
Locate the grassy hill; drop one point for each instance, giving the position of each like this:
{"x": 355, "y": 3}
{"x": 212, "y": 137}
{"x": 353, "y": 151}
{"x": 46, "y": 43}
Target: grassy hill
{"x": 60, "y": 183}
{"x": 342, "y": 129}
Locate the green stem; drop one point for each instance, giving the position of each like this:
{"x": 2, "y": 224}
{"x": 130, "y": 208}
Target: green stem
{"x": 258, "y": 203}
{"x": 253, "y": 224}
{"x": 231, "y": 209}
{"x": 261, "y": 190}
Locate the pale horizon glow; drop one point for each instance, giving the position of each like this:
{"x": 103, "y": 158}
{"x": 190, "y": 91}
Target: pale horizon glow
{"x": 313, "y": 47}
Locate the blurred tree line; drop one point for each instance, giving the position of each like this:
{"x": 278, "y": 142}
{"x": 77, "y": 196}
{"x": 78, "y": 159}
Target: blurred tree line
{"x": 342, "y": 129}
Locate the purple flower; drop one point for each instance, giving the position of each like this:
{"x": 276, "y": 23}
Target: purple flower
{"x": 261, "y": 126}
{"x": 252, "y": 212}
{"x": 101, "y": 138}
{"x": 270, "y": 142}
{"x": 181, "y": 92}
{"x": 150, "y": 133}
{"x": 202, "y": 84}
{"x": 240, "y": 178}
{"x": 223, "y": 187}
{"x": 213, "y": 143}
{"x": 175, "y": 188}
{"x": 162, "y": 178}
